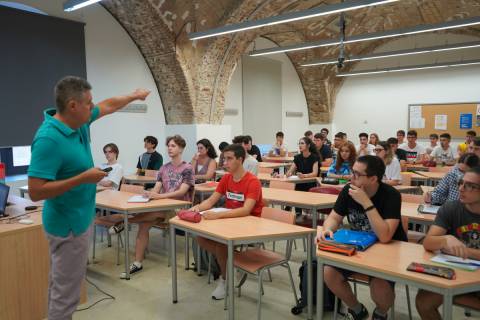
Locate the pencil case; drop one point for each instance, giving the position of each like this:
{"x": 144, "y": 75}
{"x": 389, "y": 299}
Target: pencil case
{"x": 331, "y": 246}
{"x": 433, "y": 270}
{"x": 190, "y": 216}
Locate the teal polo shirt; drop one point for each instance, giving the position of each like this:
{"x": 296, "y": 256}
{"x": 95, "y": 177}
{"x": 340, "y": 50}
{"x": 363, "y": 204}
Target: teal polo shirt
{"x": 59, "y": 153}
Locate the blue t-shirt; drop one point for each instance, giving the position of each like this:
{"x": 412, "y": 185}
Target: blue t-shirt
{"x": 59, "y": 153}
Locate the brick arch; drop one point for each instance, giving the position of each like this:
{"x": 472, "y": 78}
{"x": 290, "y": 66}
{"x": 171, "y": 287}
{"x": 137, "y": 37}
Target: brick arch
{"x": 156, "y": 43}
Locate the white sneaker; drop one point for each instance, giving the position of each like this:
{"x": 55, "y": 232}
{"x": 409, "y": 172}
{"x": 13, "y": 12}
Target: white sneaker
{"x": 219, "y": 292}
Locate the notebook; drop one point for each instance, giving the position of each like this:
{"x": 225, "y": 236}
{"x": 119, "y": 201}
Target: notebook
{"x": 138, "y": 199}
{"x": 428, "y": 208}
{"x": 457, "y": 262}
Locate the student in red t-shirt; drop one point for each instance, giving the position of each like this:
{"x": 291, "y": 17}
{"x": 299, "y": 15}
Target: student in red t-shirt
{"x": 243, "y": 194}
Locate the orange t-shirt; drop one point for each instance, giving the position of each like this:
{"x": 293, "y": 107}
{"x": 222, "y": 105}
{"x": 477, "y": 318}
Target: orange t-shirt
{"x": 237, "y": 192}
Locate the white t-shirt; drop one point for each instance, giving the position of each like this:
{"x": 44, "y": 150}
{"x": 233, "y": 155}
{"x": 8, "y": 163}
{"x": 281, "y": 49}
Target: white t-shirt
{"x": 251, "y": 164}
{"x": 276, "y": 148}
{"x": 115, "y": 175}
{"x": 413, "y": 154}
{"x": 443, "y": 155}
{"x": 369, "y": 151}
{"x": 392, "y": 171}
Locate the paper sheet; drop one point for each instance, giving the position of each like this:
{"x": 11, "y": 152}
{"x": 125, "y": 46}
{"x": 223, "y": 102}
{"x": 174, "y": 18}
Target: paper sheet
{"x": 451, "y": 261}
{"x": 138, "y": 198}
{"x": 441, "y": 121}
{"x": 417, "y": 123}
{"x": 216, "y": 210}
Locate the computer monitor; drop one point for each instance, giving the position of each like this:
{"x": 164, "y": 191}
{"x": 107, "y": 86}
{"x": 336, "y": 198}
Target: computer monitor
{"x": 4, "y": 190}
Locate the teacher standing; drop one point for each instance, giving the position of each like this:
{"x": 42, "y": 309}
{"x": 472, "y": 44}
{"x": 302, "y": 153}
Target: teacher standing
{"x": 61, "y": 171}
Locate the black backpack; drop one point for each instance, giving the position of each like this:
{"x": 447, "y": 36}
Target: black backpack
{"x": 328, "y": 296}
{"x": 214, "y": 267}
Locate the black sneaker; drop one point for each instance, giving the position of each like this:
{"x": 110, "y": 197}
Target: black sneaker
{"x": 351, "y": 315}
{"x": 376, "y": 316}
{"x": 133, "y": 269}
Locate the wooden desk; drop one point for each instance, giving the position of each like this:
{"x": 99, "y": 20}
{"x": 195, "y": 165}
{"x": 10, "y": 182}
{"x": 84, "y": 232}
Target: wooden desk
{"x": 432, "y": 177}
{"x": 265, "y": 177}
{"x": 400, "y": 188}
{"x": 203, "y": 189}
{"x": 306, "y": 200}
{"x": 410, "y": 210}
{"x": 278, "y": 159}
{"x": 237, "y": 231}
{"x": 416, "y": 167}
{"x": 24, "y": 265}
{"x": 24, "y": 190}
{"x": 117, "y": 201}
{"x": 395, "y": 257}
{"x": 136, "y": 179}
{"x": 273, "y": 165}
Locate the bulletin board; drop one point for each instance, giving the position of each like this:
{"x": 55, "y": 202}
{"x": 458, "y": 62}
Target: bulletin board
{"x": 452, "y": 118}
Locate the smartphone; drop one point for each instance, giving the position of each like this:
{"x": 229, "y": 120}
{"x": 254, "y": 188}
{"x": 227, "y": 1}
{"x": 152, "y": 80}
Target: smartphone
{"x": 107, "y": 169}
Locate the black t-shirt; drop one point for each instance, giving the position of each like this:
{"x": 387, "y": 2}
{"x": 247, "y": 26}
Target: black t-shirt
{"x": 255, "y": 151}
{"x": 387, "y": 201}
{"x": 401, "y": 154}
{"x": 325, "y": 151}
{"x": 305, "y": 165}
{"x": 459, "y": 222}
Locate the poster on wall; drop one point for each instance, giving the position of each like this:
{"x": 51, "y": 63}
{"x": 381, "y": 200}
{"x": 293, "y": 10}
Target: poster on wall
{"x": 441, "y": 121}
{"x": 466, "y": 120}
{"x": 416, "y": 120}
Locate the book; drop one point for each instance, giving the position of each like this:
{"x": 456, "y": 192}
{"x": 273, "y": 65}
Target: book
{"x": 138, "y": 199}
{"x": 456, "y": 262}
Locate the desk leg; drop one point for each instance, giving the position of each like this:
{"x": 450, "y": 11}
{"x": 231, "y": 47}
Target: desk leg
{"x": 447, "y": 305}
{"x": 173, "y": 259}
{"x": 309, "y": 277}
{"x": 187, "y": 251}
{"x": 230, "y": 282}
{"x": 199, "y": 261}
{"x": 319, "y": 290}
{"x": 127, "y": 241}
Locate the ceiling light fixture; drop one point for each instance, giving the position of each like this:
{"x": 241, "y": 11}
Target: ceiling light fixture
{"x": 382, "y": 55}
{"x": 288, "y": 17}
{"x": 372, "y": 36}
{"x": 72, "y": 5}
{"x": 410, "y": 68}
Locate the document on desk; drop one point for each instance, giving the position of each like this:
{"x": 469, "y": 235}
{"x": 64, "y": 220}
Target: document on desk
{"x": 293, "y": 178}
{"x": 216, "y": 210}
{"x": 138, "y": 199}
{"x": 457, "y": 262}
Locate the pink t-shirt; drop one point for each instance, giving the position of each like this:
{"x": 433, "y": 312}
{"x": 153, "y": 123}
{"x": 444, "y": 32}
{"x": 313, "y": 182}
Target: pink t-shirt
{"x": 172, "y": 177}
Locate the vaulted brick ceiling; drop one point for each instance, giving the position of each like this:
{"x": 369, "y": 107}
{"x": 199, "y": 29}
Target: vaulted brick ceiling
{"x": 192, "y": 77}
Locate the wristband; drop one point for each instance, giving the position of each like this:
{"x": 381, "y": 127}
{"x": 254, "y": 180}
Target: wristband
{"x": 369, "y": 208}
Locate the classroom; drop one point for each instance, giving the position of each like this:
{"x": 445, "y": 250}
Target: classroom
{"x": 240, "y": 159}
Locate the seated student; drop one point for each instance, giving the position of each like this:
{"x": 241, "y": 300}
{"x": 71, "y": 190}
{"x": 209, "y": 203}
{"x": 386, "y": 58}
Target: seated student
{"x": 278, "y": 148}
{"x": 392, "y": 165}
{"x": 401, "y": 137}
{"x": 221, "y": 147}
{"x": 447, "y": 188}
{"x": 114, "y": 177}
{"x": 443, "y": 153}
{"x": 253, "y": 150}
{"x": 176, "y": 181}
{"x": 249, "y": 163}
{"x": 324, "y": 151}
{"x": 308, "y": 134}
{"x": 341, "y": 168}
{"x": 374, "y": 139}
{"x": 150, "y": 160}
{"x": 399, "y": 153}
{"x": 463, "y": 147}
{"x": 337, "y": 142}
{"x": 364, "y": 148}
{"x": 415, "y": 152}
{"x": 243, "y": 192}
{"x": 474, "y": 146}
{"x": 203, "y": 162}
{"x": 325, "y": 132}
{"x": 433, "y": 143}
{"x": 370, "y": 205}
{"x": 455, "y": 232}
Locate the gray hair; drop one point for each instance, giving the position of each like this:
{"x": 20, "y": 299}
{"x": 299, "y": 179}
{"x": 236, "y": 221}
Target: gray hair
{"x": 70, "y": 88}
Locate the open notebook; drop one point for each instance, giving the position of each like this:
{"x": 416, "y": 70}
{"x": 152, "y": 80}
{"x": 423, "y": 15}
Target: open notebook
{"x": 457, "y": 262}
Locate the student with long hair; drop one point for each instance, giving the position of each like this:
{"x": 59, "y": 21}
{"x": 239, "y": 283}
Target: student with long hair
{"x": 374, "y": 139}
{"x": 203, "y": 161}
{"x": 392, "y": 165}
{"x": 305, "y": 164}
{"x": 341, "y": 168}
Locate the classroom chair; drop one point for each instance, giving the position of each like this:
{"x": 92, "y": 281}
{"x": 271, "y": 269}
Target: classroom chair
{"x": 113, "y": 220}
{"x": 258, "y": 260}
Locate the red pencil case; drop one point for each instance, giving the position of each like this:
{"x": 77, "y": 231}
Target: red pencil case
{"x": 190, "y": 216}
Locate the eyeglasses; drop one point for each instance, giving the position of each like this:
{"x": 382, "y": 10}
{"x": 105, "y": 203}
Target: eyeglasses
{"x": 468, "y": 186}
{"x": 357, "y": 174}
{"x": 108, "y": 151}
{"x": 301, "y": 143}
{"x": 378, "y": 149}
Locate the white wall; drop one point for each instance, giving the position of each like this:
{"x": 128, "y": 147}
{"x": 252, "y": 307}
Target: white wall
{"x": 114, "y": 66}
{"x": 293, "y": 99}
{"x": 379, "y": 103}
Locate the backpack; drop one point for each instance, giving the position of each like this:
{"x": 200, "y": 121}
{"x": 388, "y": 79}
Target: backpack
{"x": 328, "y": 296}
{"x": 214, "y": 267}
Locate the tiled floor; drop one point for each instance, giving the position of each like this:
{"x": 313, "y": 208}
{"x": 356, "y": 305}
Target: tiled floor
{"x": 148, "y": 294}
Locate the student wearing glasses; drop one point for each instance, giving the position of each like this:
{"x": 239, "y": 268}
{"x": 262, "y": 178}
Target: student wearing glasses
{"x": 374, "y": 139}
{"x": 447, "y": 189}
{"x": 373, "y": 206}
{"x": 114, "y": 177}
{"x": 392, "y": 171}
{"x": 341, "y": 168}
{"x": 456, "y": 232}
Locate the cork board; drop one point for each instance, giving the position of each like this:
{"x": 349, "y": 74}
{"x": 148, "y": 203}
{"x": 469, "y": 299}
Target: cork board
{"x": 452, "y": 112}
